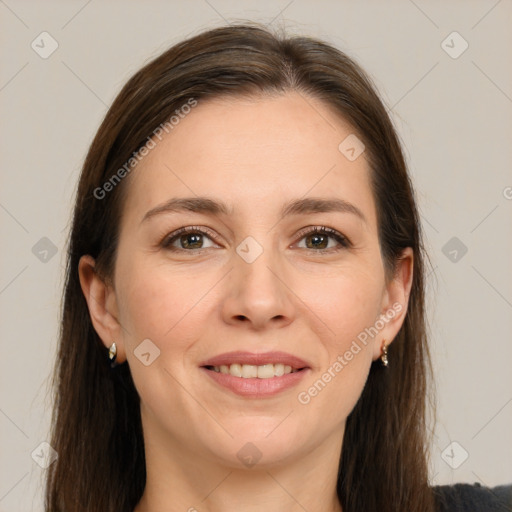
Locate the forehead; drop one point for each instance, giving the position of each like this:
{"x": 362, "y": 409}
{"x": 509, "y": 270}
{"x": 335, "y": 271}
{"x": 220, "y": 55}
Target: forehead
{"x": 253, "y": 153}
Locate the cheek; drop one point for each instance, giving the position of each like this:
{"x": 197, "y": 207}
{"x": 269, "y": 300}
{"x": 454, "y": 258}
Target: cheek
{"x": 351, "y": 306}
{"x": 156, "y": 304}
{"x": 167, "y": 310}
{"x": 350, "y": 302}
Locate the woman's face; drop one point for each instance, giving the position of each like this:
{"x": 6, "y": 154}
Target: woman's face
{"x": 255, "y": 282}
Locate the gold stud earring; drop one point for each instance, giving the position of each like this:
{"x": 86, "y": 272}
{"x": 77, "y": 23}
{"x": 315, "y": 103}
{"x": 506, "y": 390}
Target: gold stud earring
{"x": 112, "y": 354}
{"x": 384, "y": 356}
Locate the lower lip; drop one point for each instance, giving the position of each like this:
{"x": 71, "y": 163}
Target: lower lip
{"x": 257, "y": 388}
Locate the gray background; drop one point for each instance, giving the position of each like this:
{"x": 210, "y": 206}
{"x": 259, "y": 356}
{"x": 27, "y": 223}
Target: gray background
{"x": 454, "y": 116}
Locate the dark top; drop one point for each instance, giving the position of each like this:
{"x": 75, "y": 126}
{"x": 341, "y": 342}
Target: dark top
{"x": 473, "y": 498}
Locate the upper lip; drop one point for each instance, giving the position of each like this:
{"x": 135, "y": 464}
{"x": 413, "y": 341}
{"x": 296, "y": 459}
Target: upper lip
{"x": 259, "y": 359}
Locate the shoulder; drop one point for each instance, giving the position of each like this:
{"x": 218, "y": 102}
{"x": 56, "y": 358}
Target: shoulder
{"x": 472, "y": 498}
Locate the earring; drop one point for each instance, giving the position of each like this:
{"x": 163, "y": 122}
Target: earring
{"x": 112, "y": 354}
{"x": 384, "y": 356}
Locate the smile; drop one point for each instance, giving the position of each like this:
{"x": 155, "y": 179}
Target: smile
{"x": 249, "y": 371}
{"x": 249, "y": 385}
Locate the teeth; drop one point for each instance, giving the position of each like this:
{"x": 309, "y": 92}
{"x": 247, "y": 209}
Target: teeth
{"x": 249, "y": 371}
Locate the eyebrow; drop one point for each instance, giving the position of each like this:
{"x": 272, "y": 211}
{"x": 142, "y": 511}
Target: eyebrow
{"x": 294, "y": 207}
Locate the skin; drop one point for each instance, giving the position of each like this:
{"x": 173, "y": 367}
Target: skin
{"x": 254, "y": 154}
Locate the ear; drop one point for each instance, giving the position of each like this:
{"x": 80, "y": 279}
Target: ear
{"x": 395, "y": 301}
{"x": 101, "y": 301}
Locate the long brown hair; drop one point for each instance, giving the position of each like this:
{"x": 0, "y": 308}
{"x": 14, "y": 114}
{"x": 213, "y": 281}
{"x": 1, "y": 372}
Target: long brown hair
{"x": 96, "y": 424}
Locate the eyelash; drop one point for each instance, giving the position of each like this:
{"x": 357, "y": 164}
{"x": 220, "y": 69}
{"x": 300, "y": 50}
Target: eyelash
{"x": 341, "y": 239}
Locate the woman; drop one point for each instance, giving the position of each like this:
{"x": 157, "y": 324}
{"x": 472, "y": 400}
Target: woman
{"x": 243, "y": 321}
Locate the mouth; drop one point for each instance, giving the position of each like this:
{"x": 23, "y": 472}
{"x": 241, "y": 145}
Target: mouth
{"x": 250, "y": 371}
{"x": 255, "y": 375}
{"x": 255, "y": 382}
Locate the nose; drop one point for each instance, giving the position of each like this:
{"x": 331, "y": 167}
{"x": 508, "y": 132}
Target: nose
{"x": 257, "y": 293}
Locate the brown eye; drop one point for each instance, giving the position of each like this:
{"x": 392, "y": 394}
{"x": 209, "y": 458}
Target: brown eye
{"x": 187, "y": 239}
{"x": 319, "y": 239}
{"x": 191, "y": 241}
